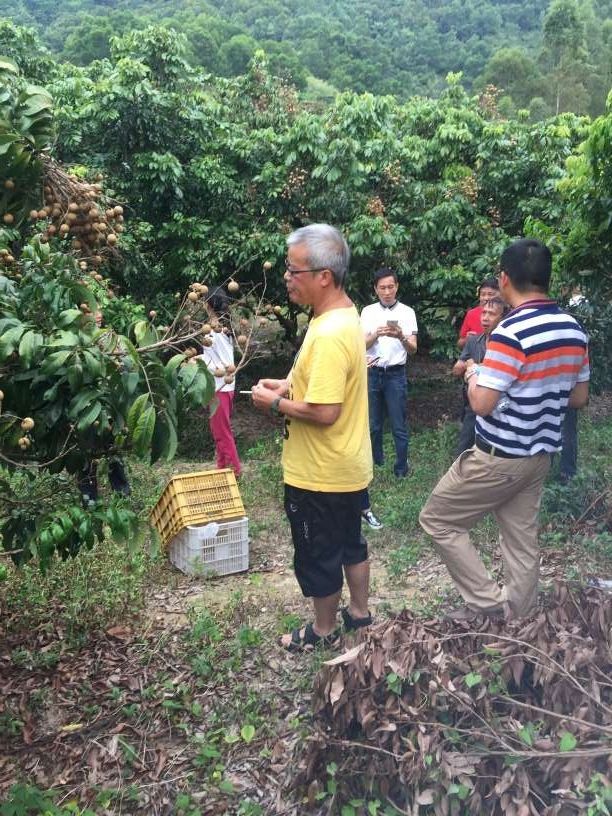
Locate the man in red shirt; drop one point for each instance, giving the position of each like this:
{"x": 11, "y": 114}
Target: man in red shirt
{"x": 488, "y": 290}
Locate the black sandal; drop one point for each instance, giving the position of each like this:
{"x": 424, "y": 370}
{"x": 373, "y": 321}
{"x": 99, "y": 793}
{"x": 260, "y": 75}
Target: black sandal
{"x": 309, "y": 640}
{"x": 351, "y": 624}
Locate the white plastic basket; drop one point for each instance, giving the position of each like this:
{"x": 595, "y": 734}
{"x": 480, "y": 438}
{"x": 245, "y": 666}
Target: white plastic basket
{"x": 212, "y": 549}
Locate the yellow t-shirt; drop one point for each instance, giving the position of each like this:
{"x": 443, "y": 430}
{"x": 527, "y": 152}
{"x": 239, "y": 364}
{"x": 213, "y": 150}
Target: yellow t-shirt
{"x": 330, "y": 368}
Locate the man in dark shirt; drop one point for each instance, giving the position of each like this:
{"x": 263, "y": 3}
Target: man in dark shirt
{"x": 474, "y": 352}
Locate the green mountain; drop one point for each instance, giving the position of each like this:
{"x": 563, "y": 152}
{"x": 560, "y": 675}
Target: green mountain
{"x": 402, "y": 47}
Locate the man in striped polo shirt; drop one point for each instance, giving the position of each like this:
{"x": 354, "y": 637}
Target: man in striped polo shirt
{"x": 536, "y": 365}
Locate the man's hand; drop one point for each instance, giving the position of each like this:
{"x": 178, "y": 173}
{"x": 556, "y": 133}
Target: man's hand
{"x": 280, "y": 387}
{"x": 263, "y": 396}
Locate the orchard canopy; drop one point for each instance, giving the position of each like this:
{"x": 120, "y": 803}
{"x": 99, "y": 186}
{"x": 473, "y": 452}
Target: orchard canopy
{"x": 126, "y": 182}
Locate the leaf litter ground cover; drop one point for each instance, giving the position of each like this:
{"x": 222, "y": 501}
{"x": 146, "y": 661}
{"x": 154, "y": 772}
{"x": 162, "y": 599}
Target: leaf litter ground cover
{"x": 184, "y": 704}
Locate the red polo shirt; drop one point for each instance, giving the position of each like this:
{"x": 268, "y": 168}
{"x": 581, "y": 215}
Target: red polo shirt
{"x": 471, "y": 322}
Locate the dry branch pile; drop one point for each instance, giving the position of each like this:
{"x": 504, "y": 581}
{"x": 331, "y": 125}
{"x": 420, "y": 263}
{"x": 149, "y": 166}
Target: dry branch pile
{"x": 443, "y": 718}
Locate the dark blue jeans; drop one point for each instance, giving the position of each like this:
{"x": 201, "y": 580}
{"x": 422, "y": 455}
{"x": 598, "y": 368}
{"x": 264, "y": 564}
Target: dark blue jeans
{"x": 388, "y": 392}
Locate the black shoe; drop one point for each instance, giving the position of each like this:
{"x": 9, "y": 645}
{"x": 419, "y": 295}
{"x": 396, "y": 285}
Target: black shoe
{"x": 118, "y": 478}
{"x": 88, "y": 486}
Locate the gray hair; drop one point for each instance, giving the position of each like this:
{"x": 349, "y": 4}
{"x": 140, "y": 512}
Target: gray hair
{"x": 327, "y": 249}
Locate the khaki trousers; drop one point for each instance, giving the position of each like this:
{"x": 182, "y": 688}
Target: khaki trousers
{"x": 476, "y": 484}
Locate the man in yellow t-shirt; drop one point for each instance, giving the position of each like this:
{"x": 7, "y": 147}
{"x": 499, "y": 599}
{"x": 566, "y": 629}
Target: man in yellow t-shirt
{"x": 327, "y": 459}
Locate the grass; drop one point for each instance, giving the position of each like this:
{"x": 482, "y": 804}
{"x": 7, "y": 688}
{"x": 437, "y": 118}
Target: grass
{"x": 227, "y": 695}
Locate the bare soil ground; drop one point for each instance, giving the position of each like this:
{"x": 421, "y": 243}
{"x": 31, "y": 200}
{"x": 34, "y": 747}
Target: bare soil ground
{"x": 148, "y": 716}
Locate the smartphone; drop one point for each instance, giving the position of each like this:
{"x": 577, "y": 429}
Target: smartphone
{"x": 392, "y": 323}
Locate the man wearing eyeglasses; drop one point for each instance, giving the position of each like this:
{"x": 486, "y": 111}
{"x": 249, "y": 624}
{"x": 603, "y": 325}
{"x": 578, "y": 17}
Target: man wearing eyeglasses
{"x": 327, "y": 461}
{"x": 390, "y": 329}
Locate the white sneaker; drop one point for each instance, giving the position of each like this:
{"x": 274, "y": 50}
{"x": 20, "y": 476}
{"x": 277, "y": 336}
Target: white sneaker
{"x": 371, "y": 520}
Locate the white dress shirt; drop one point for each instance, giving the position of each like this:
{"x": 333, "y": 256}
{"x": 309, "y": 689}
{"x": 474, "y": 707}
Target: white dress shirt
{"x": 219, "y": 355}
{"x": 389, "y": 350}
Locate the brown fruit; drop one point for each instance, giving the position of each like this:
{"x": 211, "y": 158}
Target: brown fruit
{"x": 76, "y": 244}
{"x": 217, "y": 327}
{"x": 230, "y": 368}
{"x": 34, "y": 215}
{"x": 118, "y": 210}
{"x": 64, "y": 230}
{"x": 244, "y": 323}
{"x": 111, "y": 239}
{"x": 51, "y": 229}
{"x": 44, "y": 238}
{"x": 118, "y": 228}
{"x": 83, "y": 307}
{"x": 1, "y": 395}
{"x": 267, "y": 266}
{"x": 152, "y": 314}
{"x": 263, "y": 322}
{"x": 110, "y": 213}
{"x": 8, "y": 218}
{"x": 94, "y": 213}
{"x": 233, "y": 286}
{"x": 83, "y": 265}
{"x": 277, "y": 310}
{"x": 9, "y": 184}
{"x": 229, "y": 378}
{"x": 99, "y": 278}
{"x": 207, "y": 341}
{"x": 192, "y": 297}
{"x": 242, "y": 339}
{"x": 206, "y": 328}
{"x": 24, "y": 443}
{"x": 219, "y": 372}
{"x": 27, "y": 424}
{"x": 73, "y": 207}
{"x": 10, "y": 260}
{"x": 203, "y": 289}
{"x": 71, "y": 218}
{"x": 97, "y": 259}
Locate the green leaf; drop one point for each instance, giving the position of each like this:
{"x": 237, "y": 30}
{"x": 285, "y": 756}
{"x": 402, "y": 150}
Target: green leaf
{"x": 174, "y": 362}
{"x": 135, "y": 411}
{"x": 29, "y": 345}
{"x": 8, "y": 66}
{"x": 567, "y": 742}
{"x": 92, "y": 363}
{"x": 472, "y": 679}
{"x": 247, "y": 732}
{"x": 55, "y": 361}
{"x": 143, "y": 433}
{"x": 89, "y": 417}
{"x": 10, "y": 340}
{"x": 68, "y": 317}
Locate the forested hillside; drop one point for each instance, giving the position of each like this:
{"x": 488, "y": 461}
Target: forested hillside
{"x": 549, "y": 58}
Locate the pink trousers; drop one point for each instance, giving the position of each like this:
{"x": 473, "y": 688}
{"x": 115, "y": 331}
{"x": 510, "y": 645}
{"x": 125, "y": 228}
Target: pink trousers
{"x": 221, "y": 430}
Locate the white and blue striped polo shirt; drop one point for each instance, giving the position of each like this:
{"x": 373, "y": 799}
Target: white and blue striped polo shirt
{"x": 535, "y": 357}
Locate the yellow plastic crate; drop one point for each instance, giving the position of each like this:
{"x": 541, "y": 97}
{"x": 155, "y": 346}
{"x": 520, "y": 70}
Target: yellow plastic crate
{"x": 196, "y": 498}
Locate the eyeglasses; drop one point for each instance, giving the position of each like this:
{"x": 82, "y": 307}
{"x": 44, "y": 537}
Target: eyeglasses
{"x": 294, "y": 272}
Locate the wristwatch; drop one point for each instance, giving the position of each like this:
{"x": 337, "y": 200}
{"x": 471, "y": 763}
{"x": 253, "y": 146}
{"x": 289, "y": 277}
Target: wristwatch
{"x": 274, "y": 409}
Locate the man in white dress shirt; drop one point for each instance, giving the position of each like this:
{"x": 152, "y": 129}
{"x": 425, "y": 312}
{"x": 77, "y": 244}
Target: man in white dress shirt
{"x": 390, "y": 329}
